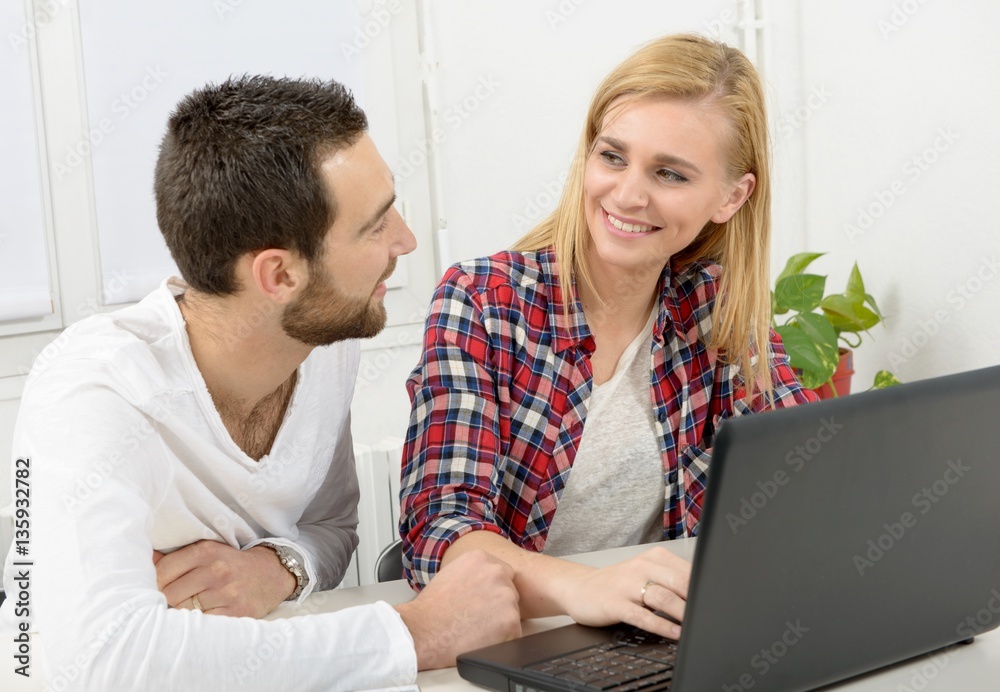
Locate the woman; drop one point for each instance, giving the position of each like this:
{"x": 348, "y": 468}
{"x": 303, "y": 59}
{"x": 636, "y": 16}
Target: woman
{"x": 571, "y": 389}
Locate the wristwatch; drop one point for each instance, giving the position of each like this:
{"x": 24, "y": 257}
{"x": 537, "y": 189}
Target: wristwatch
{"x": 291, "y": 562}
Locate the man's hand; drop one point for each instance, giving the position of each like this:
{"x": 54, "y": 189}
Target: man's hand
{"x": 471, "y": 603}
{"x": 225, "y": 581}
{"x": 656, "y": 580}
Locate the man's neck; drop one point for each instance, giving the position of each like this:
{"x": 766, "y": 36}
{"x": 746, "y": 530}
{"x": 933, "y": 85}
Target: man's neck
{"x": 243, "y": 354}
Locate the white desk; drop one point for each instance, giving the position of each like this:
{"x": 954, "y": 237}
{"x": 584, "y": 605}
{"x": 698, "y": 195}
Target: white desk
{"x": 961, "y": 669}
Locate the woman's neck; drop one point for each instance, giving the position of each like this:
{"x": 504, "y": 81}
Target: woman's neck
{"x": 619, "y": 300}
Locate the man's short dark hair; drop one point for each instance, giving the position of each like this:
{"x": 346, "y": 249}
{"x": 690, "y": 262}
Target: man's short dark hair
{"x": 239, "y": 171}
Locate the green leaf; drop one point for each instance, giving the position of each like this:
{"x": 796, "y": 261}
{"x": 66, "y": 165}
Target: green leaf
{"x": 799, "y": 292}
{"x": 884, "y": 378}
{"x": 855, "y": 284}
{"x": 796, "y": 264}
{"x": 811, "y": 344}
{"x": 870, "y": 300}
{"x": 819, "y": 329}
{"x": 802, "y": 353}
{"x": 856, "y": 293}
{"x": 847, "y": 314}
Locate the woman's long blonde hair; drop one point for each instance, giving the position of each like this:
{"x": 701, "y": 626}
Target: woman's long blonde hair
{"x": 696, "y": 69}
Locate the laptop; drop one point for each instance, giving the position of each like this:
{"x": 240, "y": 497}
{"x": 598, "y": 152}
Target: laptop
{"x": 836, "y": 538}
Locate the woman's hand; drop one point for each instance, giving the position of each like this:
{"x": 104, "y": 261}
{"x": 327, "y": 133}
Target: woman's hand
{"x": 656, "y": 580}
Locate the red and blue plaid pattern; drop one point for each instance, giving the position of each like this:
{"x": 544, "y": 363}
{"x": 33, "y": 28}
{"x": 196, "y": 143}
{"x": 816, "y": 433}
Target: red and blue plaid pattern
{"x": 500, "y": 399}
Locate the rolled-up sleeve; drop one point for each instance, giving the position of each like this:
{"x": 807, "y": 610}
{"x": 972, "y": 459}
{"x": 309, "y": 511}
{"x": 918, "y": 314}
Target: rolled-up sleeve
{"x": 450, "y": 459}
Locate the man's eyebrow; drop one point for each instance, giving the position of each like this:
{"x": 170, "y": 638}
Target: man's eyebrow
{"x": 667, "y": 159}
{"x": 375, "y": 217}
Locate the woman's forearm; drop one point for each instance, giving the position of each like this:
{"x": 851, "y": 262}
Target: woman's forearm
{"x": 541, "y": 580}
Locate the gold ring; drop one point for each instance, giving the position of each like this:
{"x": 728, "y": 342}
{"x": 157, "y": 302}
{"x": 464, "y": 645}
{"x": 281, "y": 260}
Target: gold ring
{"x": 197, "y": 604}
{"x": 642, "y": 594}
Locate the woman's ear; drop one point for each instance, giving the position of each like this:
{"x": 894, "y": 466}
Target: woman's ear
{"x": 739, "y": 194}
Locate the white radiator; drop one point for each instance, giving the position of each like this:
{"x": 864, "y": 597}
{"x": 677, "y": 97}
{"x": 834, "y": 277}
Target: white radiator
{"x": 378, "y": 510}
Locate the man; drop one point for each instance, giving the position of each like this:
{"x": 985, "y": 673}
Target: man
{"x": 193, "y": 452}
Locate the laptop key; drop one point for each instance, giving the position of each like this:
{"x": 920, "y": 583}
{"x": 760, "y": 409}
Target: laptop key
{"x": 545, "y": 667}
{"x": 655, "y": 681}
{"x": 620, "y": 666}
{"x": 668, "y": 656}
{"x": 612, "y": 681}
{"x": 572, "y": 677}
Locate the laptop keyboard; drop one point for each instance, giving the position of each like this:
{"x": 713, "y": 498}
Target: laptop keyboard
{"x": 635, "y": 660}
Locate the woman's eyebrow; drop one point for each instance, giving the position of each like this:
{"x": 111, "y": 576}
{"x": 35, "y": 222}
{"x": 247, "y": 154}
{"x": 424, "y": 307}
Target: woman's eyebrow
{"x": 668, "y": 159}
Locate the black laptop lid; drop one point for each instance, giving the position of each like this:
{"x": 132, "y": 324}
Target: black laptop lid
{"x": 845, "y": 535}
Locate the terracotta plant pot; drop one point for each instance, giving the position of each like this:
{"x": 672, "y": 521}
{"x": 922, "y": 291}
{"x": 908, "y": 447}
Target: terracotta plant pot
{"x": 841, "y": 377}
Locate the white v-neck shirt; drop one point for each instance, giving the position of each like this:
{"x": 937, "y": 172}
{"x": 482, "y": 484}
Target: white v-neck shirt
{"x": 614, "y": 494}
{"x": 128, "y": 454}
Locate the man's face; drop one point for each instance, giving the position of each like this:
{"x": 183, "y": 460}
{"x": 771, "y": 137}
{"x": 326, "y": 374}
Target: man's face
{"x": 343, "y": 299}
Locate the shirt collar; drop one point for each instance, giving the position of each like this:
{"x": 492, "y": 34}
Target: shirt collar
{"x": 570, "y": 328}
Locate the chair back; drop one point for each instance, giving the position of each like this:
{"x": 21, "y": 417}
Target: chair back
{"x": 389, "y": 564}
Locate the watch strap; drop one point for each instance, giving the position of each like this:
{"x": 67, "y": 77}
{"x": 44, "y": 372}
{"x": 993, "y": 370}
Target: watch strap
{"x": 290, "y": 561}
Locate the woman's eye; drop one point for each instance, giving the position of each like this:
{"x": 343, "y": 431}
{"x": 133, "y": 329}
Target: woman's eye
{"x": 612, "y": 158}
{"x": 671, "y": 176}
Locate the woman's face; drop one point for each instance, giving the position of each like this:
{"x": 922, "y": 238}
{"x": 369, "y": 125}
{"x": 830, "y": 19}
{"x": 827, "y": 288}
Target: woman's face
{"x": 655, "y": 177}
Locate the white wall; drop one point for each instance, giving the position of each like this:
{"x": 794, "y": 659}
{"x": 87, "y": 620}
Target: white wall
{"x": 902, "y": 167}
{"x": 536, "y": 66}
{"x": 856, "y": 89}
{"x": 386, "y": 50}
{"x": 851, "y": 108}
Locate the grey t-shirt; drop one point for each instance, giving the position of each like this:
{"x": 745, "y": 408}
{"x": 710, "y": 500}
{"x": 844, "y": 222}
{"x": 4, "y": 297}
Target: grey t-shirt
{"x": 614, "y": 494}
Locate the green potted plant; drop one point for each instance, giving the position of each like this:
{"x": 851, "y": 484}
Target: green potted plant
{"x": 820, "y": 330}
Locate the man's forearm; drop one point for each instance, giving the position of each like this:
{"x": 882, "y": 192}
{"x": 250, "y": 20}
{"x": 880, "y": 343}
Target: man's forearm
{"x": 329, "y": 547}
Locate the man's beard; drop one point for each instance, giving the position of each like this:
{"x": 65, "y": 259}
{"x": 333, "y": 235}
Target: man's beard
{"x": 323, "y": 315}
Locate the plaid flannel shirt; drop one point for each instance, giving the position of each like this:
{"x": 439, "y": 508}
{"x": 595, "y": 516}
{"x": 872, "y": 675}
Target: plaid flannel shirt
{"x": 500, "y": 399}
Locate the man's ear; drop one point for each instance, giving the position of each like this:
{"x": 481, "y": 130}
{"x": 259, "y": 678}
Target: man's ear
{"x": 739, "y": 194}
{"x": 278, "y": 274}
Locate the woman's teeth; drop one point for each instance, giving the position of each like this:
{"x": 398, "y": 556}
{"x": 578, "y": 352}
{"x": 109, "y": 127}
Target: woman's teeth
{"x": 628, "y": 227}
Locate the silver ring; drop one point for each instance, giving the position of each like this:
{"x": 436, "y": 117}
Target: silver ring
{"x": 642, "y": 594}
{"x": 197, "y": 604}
